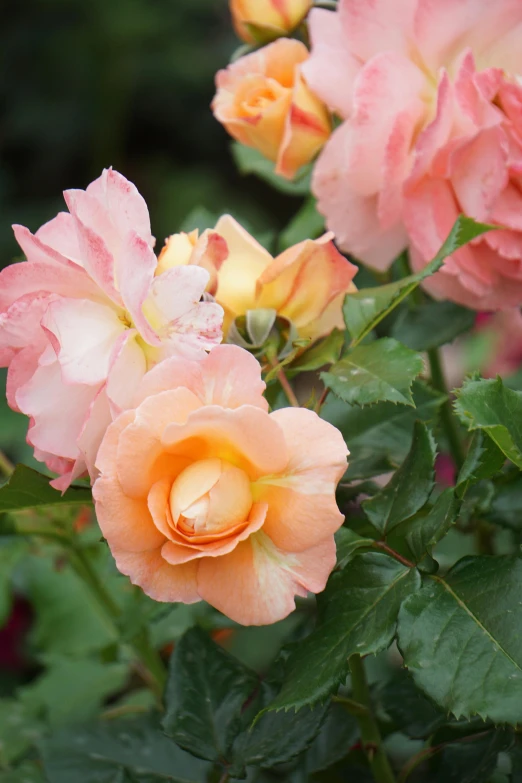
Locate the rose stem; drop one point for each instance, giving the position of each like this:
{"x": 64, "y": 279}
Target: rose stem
{"x": 285, "y": 383}
{"x": 6, "y": 466}
{"x": 371, "y": 736}
{"x": 448, "y": 420}
{"x": 148, "y": 655}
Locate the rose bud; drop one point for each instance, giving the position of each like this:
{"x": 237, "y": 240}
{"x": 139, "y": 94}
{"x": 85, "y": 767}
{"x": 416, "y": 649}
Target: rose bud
{"x": 264, "y": 102}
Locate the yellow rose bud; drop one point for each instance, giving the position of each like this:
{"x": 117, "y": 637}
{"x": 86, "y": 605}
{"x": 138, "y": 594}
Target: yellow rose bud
{"x": 259, "y": 21}
{"x": 306, "y": 284}
{"x": 264, "y": 102}
{"x": 208, "y": 250}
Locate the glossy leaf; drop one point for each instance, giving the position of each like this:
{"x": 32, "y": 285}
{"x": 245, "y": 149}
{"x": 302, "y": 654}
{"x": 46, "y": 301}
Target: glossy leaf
{"x": 326, "y": 351}
{"x": 506, "y": 505}
{"x": 473, "y": 759}
{"x": 460, "y": 638}
{"x": 357, "y": 614}
{"x": 382, "y": 371}
{"x": 379, "y": 437}
{"x": 27, "y": 488}
{"x": 366, "y": 308}
{"x": 348, "y": 543}
{"x": 110, "y": 751}
{"x": 490, "y": 406}
{"x": 409, "y": 709}
{"x": 277, "y": 738}
{"x": 205, "y": 694}
{"x": 409, "y": 488}
{"x": 483, "y": 460}
{"x": 338, "y": 734}
{"x": 432, "y": 324}
{"x": 425, "y": 531}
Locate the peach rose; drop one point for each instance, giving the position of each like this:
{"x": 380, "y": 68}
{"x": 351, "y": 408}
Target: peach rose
{"x": 208, "y": 250}
{"x": 258, "y": 21}
{"x": 264, "y": 102}
{"x": 85, "y": 316}
{"x": 306, "y": 283}
{"x": 203, "y": 494}
{"x": 431, "y": 101}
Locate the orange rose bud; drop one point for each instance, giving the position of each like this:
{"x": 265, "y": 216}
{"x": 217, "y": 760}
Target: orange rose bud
{"x": 264, "y": 102}
{"x": 306, "y": 284}
{"x": 259, "y": 21}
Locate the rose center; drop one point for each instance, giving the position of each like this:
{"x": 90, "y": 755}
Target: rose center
{"x": 209, "y": 496}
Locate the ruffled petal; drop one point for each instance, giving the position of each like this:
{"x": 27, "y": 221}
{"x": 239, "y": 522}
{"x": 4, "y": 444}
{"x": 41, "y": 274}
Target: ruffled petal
{"x": 256, "y": 583}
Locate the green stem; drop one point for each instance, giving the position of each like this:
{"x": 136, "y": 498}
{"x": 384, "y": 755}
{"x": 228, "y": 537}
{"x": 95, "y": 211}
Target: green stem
{"x": 371, "y": 736}
{"x": 352, "y": 706}
{"x": 285, "y": 383}
{"x": 148, "y": 655}
{"x": 6, "y": 466}
{"x": 448, "y": 421}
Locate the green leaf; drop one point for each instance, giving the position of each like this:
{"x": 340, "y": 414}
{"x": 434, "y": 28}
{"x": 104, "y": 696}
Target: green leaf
{"x": 366, "y": 308}
{"x": 382, "y": 371}
{"x": 69, "y": 620}
{"x": 73, "y": 691}
{"x": 27, "y": 488}
{"x": 338, "y": 734}
{"x": 409, "y": 488}
{"x": 483, "y": 460}
{"x": 379, "y": 437}
{"x": 348, "y": 542}
{"x": 20, "y": 728}
{"x": 506, "y": 506}
{"x": 306, "y": 224}
{"x": 431, "y": 325}
{"x": 206, "y": 691}
{"x": 326, "y": 351}
{"x": 250, "y": 161}
{"x": 473, "y": 759}
{"x": 11, "y": 552}
{"x": 277, "y": 739}
{"x": 460, "y": 638}
{"x": 490, "y": 406}
{"x": 411, "y": 712}
{"x": 112, "y": 751}
{"x": 25, "y": 773}
{"x": 425, "y": 531}
{"x": 357, "y": 614}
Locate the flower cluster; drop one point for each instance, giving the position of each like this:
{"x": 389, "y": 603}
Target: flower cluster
{"x": 114, "y": 352}
{"x": 428, "y": 100}
{"x": 197, "y": 487}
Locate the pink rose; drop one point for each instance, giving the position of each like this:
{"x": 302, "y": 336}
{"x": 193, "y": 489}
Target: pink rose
{"x": 432, "y": 111}
{"x": 203, "y": 494}
{"x": 85, "y": 316}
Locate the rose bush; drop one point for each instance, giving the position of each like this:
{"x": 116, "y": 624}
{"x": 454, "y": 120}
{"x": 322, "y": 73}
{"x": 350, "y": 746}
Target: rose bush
{"x": 263, "y": 101}
{"x": 430, "y": 99}
{"x": 203, "y": 494}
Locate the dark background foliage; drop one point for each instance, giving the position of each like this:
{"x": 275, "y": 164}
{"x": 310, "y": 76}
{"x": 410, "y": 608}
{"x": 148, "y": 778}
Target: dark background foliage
{"x": 127, "y": 83}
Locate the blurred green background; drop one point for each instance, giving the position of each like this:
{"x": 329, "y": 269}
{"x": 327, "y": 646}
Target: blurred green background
{"x": 127, "y": 83}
